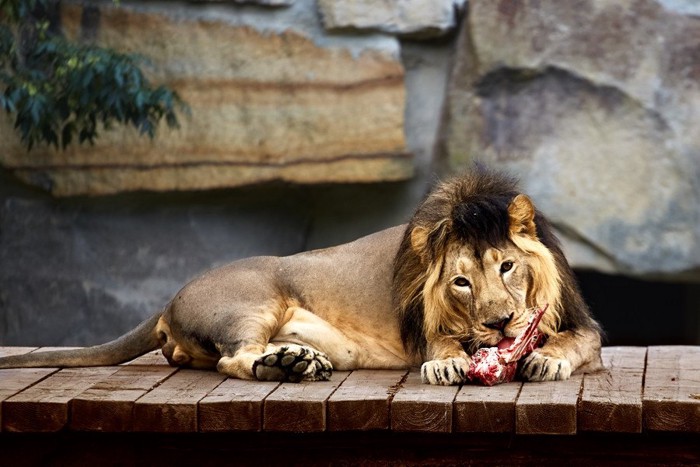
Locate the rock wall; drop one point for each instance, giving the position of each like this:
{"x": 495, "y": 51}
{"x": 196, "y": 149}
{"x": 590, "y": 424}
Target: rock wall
{"x": 408, "y": 18}
{"x": 592, "y": 104}
{"x": 80, "y": 270}
{"x": 595, "y": 106}
{"x": 272, "y": 96}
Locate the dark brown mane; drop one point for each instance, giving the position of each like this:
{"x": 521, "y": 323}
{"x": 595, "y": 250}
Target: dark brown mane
{"x": 471, "y": 209}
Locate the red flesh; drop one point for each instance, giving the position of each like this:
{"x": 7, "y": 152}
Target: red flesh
{"x": 495, "y": 365}
{"x": 505, "y": 342}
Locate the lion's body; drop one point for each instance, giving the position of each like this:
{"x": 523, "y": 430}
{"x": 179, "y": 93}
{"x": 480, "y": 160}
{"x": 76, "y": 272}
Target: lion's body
{"x": 459, "y": 276}
{"x": 336, "y": 300}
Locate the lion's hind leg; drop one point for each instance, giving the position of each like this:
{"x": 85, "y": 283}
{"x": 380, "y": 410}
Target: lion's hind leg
{"x": 240, "y": 364}
{"x": 292, "y": 362}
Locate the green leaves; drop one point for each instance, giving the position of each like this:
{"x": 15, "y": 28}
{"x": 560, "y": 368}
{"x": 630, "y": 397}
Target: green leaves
{"x": 16, "y": 10}
{"x": 61, "y": 91}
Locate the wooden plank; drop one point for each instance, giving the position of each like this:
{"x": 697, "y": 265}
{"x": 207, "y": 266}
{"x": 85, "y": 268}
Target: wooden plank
{"x": 548, "y": 407}
{"x": 172, "y": 406}
{"x": 611, "y": 400}
{"x": 235, "y": 405}
{"x": 151, "y": 358}
{"x": 109, "y": 404}
{"x": 15, "y": 380}
{"x": 45, "y": 406}
{"x": 482, "y": 409}
{"x": 362, "y": 401}
{"x": 422, "y": 407}
{"x": 300, "y": 407}
{"x": 8, "y": 351}
{"x": 671, "y": 400}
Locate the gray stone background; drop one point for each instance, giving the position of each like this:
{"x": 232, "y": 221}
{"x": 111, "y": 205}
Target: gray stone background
{"x": 594, "y": 106}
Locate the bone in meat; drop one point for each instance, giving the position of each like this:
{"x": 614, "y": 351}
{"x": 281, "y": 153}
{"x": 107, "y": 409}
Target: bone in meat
{"x": 493, "y": 365}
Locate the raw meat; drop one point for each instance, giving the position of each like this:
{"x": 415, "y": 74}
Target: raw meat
{"x": 495, "y": 365}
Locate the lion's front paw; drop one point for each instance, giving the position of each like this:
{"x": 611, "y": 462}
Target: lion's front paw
{"x": 293, "y": 363}
{"x": 538, "y": 367}
{"x": 445, "y": 372}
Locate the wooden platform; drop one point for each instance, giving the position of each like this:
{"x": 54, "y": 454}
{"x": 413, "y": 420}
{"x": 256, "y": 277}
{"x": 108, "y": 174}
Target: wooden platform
{"x": 644, "y": 393}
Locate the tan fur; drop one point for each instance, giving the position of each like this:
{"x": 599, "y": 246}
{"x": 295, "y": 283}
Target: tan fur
{"x": 347, "y": 307}
{"x": 434, "y": 258}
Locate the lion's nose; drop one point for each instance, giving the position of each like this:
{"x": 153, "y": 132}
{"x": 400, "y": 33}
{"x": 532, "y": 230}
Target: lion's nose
{"x": 499, "y": 324}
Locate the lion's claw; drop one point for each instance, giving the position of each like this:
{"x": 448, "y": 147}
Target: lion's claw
{"x": 293, "y": 363}
{"x": 445, "y": 372}
{"x": 538, "y": 367}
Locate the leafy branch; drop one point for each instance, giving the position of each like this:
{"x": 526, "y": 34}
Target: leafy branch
{"x": 61, "y": 91}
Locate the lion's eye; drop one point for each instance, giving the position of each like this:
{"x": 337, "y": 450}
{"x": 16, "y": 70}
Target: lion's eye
{"x": 461, "y": 282}
{"x": 506, "y": 266}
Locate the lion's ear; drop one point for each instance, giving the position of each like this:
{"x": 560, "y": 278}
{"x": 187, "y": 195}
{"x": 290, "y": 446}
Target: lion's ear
{"x": 521, "y": 212}
{"x": 429, "y": 243}
{"x": 419, "y": 240}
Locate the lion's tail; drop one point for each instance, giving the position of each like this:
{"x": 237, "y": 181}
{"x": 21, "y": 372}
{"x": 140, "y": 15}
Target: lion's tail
{"x": 136, "y": 342}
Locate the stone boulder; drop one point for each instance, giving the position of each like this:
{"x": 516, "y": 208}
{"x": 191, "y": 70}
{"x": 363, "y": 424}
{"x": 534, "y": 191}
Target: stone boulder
{"x": 412, "y": 18}
{"x": 595, "y": 106}
{"x": 272, "y": 97}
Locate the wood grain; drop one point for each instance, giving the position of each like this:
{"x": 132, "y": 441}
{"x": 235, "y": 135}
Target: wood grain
{"x": 235, "y": 405}
{"x": 45, "y": 406}
{"x": 486, "y": 409}
{"x": 151, "y": 358}
{"x": 109, "y": 404}
{"x": 671, "y": 386}
{"x": 15, "y": 380}
{"x": 7, "y": 351}
{"x": 300, "y": 407}
{"x": 611, "y": 400}
{"x": 422, "y": 407}
{"x": 548, "y": 407}
{"x": 148, "y": 395}
{"x": 172, "y": 406}
{"x": 362, "y": 401}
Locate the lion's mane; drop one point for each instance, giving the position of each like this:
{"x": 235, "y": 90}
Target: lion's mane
{"x": 473, "y": 209}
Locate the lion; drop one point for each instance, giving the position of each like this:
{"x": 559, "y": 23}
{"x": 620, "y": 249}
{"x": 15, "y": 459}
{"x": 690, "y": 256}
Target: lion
{"x": 475, "y": 256}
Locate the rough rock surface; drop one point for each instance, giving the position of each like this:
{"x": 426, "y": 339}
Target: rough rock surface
{"x": 415, "y": 18}
{"x": 81, "y": 271}
{"x": 595, "y": 106}
{"x": 84, "y": 272}
{"x": 253, "y": 2}
{"x": 271, "y": 97}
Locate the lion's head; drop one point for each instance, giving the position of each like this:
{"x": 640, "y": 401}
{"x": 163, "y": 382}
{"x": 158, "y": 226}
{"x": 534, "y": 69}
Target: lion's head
{"x": 475, "y": 257}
